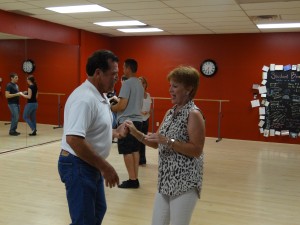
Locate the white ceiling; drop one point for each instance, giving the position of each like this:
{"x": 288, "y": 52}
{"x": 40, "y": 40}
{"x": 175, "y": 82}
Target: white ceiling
{"x": 175, "y": 17}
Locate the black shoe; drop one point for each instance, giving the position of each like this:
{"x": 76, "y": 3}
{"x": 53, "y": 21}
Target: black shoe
{"x": 14, "y": 133}
{"x": 33, "y": 133}
{"x": 142, "y": 163}
{"x": 130, "y": 184}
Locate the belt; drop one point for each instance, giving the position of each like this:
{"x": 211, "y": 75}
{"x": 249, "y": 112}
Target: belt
{"x": 64, "y": 153}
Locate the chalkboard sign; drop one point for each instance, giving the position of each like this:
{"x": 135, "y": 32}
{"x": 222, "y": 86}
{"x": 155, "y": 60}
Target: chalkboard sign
{"x": 283, "y": 95}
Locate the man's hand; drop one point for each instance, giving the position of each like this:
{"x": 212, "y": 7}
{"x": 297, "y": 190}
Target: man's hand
{"x": 110, "y": 176}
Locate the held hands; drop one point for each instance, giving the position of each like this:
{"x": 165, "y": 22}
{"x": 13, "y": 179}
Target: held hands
{"x": 130, "y": 126}
{"x": 122, "y": 130}
{"x": 154, "y": 137}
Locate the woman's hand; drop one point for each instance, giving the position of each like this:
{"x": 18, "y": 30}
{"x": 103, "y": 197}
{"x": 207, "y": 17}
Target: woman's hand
{"x": 156, "y": 138}
{"x": 122, "y": 130}
{"x": 129, "y": 124}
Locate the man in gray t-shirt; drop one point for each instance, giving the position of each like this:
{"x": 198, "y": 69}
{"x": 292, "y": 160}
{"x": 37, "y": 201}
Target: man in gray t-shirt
{"x": 129, "y": 108}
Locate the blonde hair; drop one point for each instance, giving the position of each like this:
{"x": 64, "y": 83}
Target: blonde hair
{"x": 143, "y": 79}
{"x": 186, "y": 75}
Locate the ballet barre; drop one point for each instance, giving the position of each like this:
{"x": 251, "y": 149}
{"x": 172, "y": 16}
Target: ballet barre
{"x": 220, "y": 101}
{"x": 58, "y": 105}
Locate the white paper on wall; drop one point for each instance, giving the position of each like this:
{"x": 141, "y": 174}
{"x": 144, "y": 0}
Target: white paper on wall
{"x": 265, "y": 68}
{"x": 266, "y": 133}
{"x": 255, "y": 103}
{"x": 261, "y": 123}
{"x": 262, "y": 89}
{"x": 262, "y": 110}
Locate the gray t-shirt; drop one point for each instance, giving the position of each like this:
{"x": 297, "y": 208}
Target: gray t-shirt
{"x": 132, "y": 90}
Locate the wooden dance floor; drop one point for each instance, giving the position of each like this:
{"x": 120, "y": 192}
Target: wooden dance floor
{"x": 245, "y": 183}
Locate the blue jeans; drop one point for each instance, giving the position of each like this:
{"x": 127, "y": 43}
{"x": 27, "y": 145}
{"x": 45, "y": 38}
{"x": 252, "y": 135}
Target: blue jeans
{"x": 29, "y": 114}
{"x": 84, "y": 189}
{"x": 15, "y": 112}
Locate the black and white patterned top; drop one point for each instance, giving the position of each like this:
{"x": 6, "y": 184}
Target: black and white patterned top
{"x": 178, "y": 173}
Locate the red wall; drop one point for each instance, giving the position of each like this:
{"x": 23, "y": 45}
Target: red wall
{"x": 89, "y": 42}
{"x": 240, "y": 57}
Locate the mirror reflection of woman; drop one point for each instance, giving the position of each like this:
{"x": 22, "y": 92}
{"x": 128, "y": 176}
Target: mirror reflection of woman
{"x": 29, "y": 114}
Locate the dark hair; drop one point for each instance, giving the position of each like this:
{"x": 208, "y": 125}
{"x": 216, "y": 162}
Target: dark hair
{"x": 31, "y": 78}
{"x": 132, "y": 64}
{"x": 99, "y": 60}
{"x": 12, "y": 75}
{"x": 186, "y": 75}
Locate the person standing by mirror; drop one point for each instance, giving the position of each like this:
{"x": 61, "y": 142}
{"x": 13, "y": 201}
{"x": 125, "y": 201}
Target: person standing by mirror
{"x": 29, "y": 114}
{"x": 146, "y": 114}
{"x": 12, "y": 94}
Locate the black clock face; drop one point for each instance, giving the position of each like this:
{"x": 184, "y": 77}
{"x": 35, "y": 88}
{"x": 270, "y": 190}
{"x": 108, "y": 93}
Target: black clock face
{"x": 208, "y": 67}
{"x": 28, "y": 66}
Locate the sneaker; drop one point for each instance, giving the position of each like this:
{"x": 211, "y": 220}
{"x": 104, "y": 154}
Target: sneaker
{"x": 130, "y": 184}
{"x": 33, "y": 133}
{"x": 14, "y": 133}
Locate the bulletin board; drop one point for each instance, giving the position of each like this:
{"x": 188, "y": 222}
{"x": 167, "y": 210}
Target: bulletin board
{"x": 279, "y": 101}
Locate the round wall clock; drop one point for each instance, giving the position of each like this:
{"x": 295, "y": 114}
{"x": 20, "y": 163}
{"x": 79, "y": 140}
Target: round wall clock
{"x": 208, "y": 67}
{"x": 28, "y": 66}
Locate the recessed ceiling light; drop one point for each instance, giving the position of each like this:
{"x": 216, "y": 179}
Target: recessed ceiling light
{"x": 139, "y": 30}
{"x": 278, "y": 25}
{"x": 78, "y": 9}
{"x": 120, "y": 23}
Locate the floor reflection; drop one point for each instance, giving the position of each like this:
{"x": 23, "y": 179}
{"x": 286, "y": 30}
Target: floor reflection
{"x": 45, "y": 133}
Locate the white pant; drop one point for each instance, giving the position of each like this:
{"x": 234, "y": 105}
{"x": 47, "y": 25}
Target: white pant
{"x": 174, "y": 210}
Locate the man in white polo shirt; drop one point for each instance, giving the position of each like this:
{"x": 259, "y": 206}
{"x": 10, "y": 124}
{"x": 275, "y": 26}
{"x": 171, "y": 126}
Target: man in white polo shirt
{"x": 87, "y": 140}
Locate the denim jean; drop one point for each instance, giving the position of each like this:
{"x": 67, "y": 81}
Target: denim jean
{"x": 15, "y": 112}
{"x": 84, "y": 190}
{"x": 29, "y": 114}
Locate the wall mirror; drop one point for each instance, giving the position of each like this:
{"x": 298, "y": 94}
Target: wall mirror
{"x": 56, "y": 64}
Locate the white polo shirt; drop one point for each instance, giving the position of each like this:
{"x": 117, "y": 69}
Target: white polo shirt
{"x": 87, "y": 114}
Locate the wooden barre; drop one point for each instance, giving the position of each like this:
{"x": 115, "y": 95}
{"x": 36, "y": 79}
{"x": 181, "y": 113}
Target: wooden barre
{"x": 206, "y": 100}
{"x": 196, "y": 99}
{"x": 47, "y": 93}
